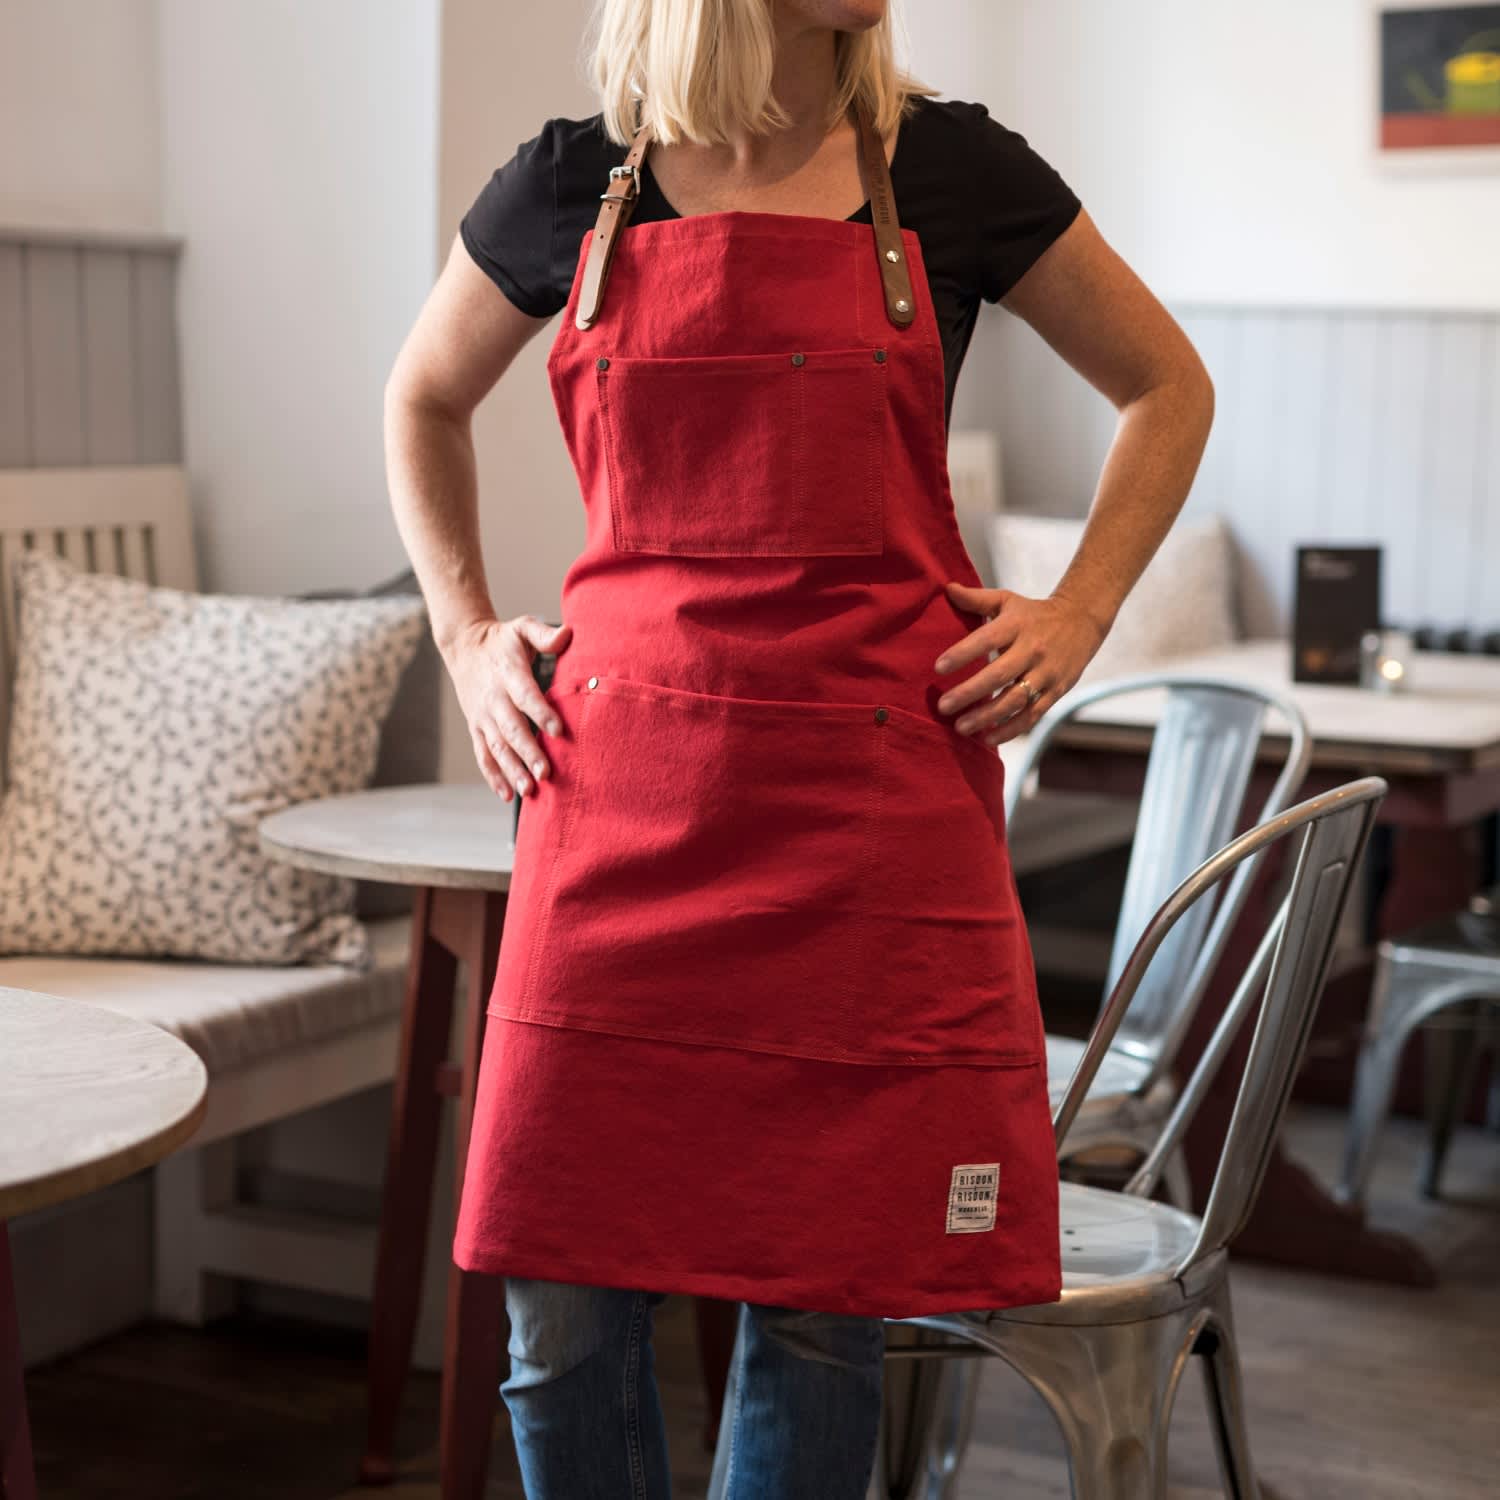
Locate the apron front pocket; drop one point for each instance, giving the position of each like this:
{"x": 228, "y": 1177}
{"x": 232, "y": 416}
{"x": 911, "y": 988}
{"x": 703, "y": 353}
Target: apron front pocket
{"x": 746, "y": 873}
{"x": 738, "y": 455}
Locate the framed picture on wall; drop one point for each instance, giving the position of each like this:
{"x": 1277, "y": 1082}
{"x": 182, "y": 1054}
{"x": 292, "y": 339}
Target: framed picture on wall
{"x": 1437, "y": 83}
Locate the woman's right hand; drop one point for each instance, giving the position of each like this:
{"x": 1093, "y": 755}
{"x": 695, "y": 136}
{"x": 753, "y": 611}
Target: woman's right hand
{"x": 490, "y": 664}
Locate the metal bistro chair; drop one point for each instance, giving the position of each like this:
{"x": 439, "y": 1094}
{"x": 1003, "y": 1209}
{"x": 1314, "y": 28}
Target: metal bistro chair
{"x": 1202, "y": 754}
{"x": 1145, "y": 1284}
{"x": 1444, "y": 976}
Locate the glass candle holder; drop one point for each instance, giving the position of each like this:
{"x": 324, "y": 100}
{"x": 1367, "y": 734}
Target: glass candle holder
{"x": 1385, "y": 660}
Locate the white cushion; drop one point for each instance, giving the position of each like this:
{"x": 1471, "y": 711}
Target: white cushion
{"x": 151, "y": 730}
{"x": 232, "y": 1015}
{"x": 1183, "y": 602}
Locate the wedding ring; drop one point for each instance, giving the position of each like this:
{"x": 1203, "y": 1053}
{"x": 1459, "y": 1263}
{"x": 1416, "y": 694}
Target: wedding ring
{"x": 1031, "y": 693}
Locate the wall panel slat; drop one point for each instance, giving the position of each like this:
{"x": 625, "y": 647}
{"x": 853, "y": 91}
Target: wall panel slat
{"x": 88, "y": 351}
{"x": 1337, "y": 424}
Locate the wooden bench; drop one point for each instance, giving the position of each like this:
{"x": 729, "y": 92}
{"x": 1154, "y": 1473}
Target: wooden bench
{"x": 277, "y": 1041}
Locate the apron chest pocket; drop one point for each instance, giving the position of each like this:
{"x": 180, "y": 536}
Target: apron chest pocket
{"x": 773, "y": 455}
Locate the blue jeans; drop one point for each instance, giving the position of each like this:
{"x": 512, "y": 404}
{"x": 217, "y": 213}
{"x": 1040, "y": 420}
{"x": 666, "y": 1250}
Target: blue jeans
{"x": 801, "y": 1413}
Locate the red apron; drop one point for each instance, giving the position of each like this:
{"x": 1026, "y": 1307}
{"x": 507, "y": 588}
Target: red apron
{"x": 765, "y": 1022}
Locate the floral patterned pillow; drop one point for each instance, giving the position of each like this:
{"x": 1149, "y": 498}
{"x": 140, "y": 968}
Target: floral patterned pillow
{"x": 150, "y": 731}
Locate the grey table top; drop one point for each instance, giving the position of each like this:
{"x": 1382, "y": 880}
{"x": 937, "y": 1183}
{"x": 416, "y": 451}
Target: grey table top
{"x": 87, "y": 1096}
{"x": 456, "y": 835}
{"x": 1446, "y": 719}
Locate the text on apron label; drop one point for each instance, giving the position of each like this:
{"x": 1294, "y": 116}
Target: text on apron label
{"x": 971, "y": 1197}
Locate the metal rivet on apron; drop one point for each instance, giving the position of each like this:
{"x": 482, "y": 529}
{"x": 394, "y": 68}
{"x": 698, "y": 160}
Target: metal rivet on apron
{"x": 593, "y": 682}
{"x": 880, "y": 356}
{"x": 601, "y": 363}
{"x": 798, "y": 358}
{"x": 902, "y": 304}
{"x": 881, "y": 715}
{"x": 891, "y": 255}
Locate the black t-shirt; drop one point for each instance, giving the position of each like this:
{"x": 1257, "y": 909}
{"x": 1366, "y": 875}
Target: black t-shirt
{"x": 984, "y": 206}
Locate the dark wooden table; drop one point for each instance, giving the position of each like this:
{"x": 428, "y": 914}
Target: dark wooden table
{"x": 1438, "y": 745}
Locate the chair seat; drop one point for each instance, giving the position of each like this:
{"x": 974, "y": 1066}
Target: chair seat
{"x": 1056, "y": 828}
{"x": 1119, "y": 1258}
{"x": 232, "y": 1015}
{"x": 1118, "y": 1074}
{"x": 1463, "y": 940}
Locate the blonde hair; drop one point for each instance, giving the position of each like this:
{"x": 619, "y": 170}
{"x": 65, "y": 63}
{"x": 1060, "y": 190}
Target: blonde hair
{"x": 702, "y": 70}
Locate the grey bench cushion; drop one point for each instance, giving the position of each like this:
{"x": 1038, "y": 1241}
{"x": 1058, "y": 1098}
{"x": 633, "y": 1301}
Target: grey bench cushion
{"x": 232, "y": 1015}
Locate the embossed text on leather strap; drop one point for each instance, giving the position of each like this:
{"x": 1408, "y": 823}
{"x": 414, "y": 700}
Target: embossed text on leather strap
{"x": 900, "y": 306}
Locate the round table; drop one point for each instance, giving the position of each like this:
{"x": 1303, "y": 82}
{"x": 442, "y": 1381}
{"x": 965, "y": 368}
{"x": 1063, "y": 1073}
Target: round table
{"x": 459, "y": 837}
{"x": 454, "y": 845}
{"x": 87, "y": 1097}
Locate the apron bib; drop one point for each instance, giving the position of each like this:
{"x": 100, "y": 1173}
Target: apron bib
{"x": 765, "y": 1024}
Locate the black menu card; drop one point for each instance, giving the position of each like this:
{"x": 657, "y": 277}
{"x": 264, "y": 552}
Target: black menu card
{"x": 1337, "y": 601}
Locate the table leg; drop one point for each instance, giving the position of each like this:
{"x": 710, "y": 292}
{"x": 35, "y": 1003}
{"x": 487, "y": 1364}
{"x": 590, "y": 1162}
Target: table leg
{"x": 17, "y": 1474}
{"x": 406, "y": 1202}
{"x": 471, "y": 923}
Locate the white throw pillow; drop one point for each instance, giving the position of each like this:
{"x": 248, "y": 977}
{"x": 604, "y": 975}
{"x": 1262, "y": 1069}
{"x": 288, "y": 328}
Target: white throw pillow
{"x": 151, "y": 730}
{"x": 1182, "y": 603}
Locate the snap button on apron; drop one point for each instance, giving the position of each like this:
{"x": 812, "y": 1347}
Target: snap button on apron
{"x": 798, "y": 358}
{"x": 881, "y": 715}
{"x": 593, "y": 683}
{"x": 602, "y": 363}
{"x": 880, "y": 356}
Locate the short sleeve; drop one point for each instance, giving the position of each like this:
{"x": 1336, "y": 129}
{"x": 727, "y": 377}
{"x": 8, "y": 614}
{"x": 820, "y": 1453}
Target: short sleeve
{"x": 1023, "y": 204}
{"x": 510, "y": 227}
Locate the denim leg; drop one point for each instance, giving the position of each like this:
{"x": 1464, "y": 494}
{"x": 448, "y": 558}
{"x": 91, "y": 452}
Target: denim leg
{"x": 802, "y": 1407}
{"x": 584, "y": 1409}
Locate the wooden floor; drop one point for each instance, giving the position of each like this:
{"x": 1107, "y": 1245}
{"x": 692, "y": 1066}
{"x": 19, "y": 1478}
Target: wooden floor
{"x": 1355, "y": 1389}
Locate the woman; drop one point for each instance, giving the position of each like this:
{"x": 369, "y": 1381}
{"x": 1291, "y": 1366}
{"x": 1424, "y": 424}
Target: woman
{"x": 765, "y": 1024}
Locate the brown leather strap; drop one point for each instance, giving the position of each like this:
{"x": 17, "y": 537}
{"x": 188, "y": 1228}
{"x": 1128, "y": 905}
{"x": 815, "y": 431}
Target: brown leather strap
{"x": 617, "y": 202}
{"x": 615, "y": 206}
{"x": 900, "y": 306}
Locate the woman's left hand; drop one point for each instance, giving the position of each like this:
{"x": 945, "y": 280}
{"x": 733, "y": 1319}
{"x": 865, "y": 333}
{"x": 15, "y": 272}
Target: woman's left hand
{"x": 1042, "y": 644}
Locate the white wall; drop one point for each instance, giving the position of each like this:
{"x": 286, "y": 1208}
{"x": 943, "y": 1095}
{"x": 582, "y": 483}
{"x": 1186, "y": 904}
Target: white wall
{"x": 79, "y": 126}
{"x": 299, "y": 164}
{"x": 506, "y": 69}
{"x": 1226, "y": 150}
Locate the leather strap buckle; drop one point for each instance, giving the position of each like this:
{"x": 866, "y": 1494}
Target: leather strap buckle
{"x": 627, "y": 171}
{"x": 615, "y": 207}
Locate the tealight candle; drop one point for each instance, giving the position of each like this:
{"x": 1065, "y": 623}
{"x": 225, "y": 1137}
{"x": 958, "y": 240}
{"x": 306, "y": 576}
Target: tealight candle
{"x": 1385, "y": 657}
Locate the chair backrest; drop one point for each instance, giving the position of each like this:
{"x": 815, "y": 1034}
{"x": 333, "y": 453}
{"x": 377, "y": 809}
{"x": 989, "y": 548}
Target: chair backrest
{"x": 1285, "y": 978}
{"x": 1203, "y": 751}
{"x": 133, "y": 521}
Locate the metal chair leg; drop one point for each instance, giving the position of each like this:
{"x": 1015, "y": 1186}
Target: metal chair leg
{"x": 1375, "y": 1079}
{"x": 1489, "y": 1031}
{"x": 957, "y": 1396}
{"x": 1226, "y": 1399}
{"x": 1111, "y": 1389}
{"x": 909, "y": 1397}
{"x": 1451, "y": 1050}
